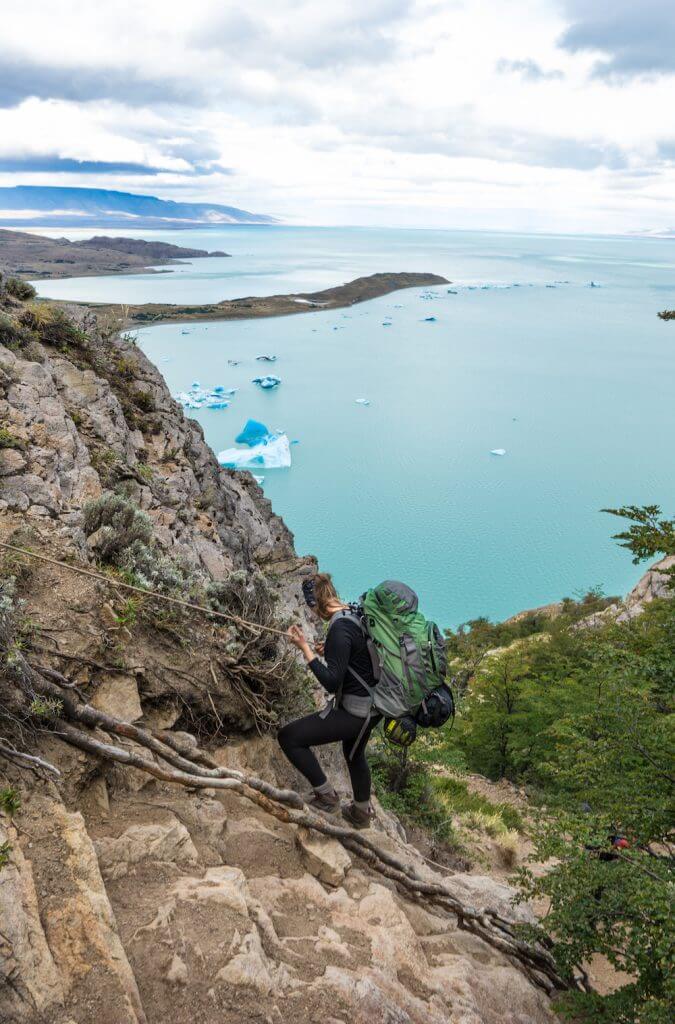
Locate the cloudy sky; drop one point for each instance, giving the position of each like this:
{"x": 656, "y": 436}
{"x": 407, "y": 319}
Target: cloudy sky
{"x": 532, "y": 114}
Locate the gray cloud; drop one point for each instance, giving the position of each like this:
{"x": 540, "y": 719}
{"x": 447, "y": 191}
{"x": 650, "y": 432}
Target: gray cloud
{"x": 49, "y": 163}
{"x": 309, "y": 36}
{"x": 638, "y": 38}
{"x": 528, "y": 69}
{"x": 65, "y": 165}
{"x": 21, "y": 78}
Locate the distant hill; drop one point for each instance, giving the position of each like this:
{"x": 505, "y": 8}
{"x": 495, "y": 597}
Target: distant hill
{"x": 41, "y": 206}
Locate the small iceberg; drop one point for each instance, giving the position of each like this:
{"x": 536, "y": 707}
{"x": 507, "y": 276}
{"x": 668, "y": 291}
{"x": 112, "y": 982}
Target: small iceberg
{"x": 594, "y": 284}
{"x": 266, "y": 359}
{"x": 264, "y": 450}
{"x": 429, "y": 320}
{"x": 218, "y": 397}
{"x": 260, "y": 480}
{"x": 186, "y": 332}
{"x": 498, "y": 451}
{"x": 253, "y": 433}
{"x": 362, "y": 401}
{"x": 233, "y": 362}
{"x": 451, "y": 291}
{"x": 268, "y": 382}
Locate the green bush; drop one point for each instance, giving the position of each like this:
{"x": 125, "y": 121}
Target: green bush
{"x": 405, "y": 787}
{"x": 118, "y": 524}
{"x": 52, "y": 326}
{"x": 20, "y": 289}
{"x": 10, "y": 801}
{"x": 8, "y": 440}
{"x": 14, "y": 335}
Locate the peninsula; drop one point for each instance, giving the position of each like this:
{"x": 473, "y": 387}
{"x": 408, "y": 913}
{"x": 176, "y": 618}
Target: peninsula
{"x": 360, "y": 290}
{"x": 37, "y": 257}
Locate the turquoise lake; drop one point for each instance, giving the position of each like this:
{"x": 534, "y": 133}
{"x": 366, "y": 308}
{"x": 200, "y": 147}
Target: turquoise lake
{"x": 575, "y": 382}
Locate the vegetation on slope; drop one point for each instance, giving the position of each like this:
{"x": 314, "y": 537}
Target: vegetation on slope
{"x": 582, "y": 714}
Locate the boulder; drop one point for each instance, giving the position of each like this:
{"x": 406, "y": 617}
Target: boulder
{"x": 118, "y": 696}
{"x": 324, "y": 858}
{"x": 159, "y": 842}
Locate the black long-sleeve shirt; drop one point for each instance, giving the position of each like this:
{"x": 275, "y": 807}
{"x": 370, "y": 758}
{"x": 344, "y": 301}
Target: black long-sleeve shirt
{"x": 345, "y": 646}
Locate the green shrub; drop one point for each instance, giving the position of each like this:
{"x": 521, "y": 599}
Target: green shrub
{"x": 20, "y": 289}
{"x": 118, "y": 524}
{"x": 46, "y": 707}
{"x": 8, "y": 440}
{"x": 52, "y": 326}
{"x": 14, "y": 335}
{"x": 406, "y": 788}
{"x": 10, "y": 801}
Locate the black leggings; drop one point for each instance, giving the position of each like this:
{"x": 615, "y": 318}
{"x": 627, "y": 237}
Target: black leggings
{"x": 296, "y": 738}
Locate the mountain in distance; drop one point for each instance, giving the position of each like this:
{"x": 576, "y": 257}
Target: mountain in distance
{"x": 42, "y": 206}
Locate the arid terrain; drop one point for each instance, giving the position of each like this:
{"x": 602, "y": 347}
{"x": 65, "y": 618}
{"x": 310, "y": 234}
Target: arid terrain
{"x": 36, "y": 257}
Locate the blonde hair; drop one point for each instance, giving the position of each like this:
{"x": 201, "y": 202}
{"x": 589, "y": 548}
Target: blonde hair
{"x": 325, "y": 593}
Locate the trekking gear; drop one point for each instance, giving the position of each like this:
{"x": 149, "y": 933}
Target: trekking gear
{"x": 438, "y": 707}
{"x": 327, "y": 803}
{"x": 409, "y": 661}
{"x": 308, "y": 592}
{"x": 400, "y": 731}
{"x": 356, "y": 817}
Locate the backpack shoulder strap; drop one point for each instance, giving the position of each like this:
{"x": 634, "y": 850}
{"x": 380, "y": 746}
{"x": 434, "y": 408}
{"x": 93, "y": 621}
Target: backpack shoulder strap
{"x": 351, "y": 614}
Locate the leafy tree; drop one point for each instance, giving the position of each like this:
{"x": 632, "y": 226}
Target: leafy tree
{"x": 585, "y": 715}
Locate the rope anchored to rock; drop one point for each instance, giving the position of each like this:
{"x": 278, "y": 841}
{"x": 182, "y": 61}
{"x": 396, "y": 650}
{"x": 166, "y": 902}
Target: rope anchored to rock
{"x": 255, "y": 627}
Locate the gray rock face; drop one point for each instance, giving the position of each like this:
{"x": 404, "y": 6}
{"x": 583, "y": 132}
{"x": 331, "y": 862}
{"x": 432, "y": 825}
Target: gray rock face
{"x": 87, "y": 420}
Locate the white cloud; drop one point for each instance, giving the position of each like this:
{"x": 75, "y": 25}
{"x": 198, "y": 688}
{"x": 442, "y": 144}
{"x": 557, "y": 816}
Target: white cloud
{"x": 437, "y": 112}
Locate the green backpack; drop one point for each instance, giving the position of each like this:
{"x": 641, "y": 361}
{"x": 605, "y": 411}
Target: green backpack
{"x": 409, "y": 661}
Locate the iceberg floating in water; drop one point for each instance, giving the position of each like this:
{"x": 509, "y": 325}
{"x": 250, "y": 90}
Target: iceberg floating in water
{"x": 259, "y": 479}
{"x": 429, "y": 320}
{"x": 594, "y": 284}
{"x": 362, "y": 401}
{"x": 264, "y": 450}
{"x": 498, "y": 451}
{"x": 199, "y": 398}
{"x": 267, "y": 382}
{"x": 266, "y": 359}
{"x": 253, "y": 433}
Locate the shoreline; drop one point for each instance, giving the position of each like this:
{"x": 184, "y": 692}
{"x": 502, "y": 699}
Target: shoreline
{"x": 361, "y": 289}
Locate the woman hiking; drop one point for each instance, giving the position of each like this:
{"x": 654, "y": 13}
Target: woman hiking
{"x": 347, "y": 718}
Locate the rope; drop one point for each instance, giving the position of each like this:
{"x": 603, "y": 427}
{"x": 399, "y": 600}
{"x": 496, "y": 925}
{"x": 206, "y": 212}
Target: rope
{"x": 253, "y": 626}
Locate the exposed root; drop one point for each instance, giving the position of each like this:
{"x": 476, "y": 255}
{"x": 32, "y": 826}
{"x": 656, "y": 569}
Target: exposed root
{"x": 195, "y": 770}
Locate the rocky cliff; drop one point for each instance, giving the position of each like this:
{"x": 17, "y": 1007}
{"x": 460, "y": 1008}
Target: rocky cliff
{"x": 125, "y": 898}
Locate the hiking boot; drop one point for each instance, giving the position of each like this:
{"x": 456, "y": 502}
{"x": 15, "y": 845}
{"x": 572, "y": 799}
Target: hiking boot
{"x": 356, "y": 817}
{"x": 326, "y": 803}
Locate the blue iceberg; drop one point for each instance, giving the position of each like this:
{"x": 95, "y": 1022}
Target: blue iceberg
{"x": 498, "y": 451}
{"x": 265, "y": 450}
{"x": 268, "y": 382}
{"x": 253, "y": 433}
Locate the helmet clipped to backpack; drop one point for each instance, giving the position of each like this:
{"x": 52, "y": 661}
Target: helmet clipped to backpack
{"x": 409, "y": 661}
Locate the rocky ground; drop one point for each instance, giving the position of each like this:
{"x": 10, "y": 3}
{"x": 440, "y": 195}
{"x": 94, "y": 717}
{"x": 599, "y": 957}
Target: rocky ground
{"x": 34, "y": 257}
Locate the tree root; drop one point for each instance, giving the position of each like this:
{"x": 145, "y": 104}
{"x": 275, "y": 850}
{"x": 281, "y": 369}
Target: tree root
{"x": 196, "y": 770}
